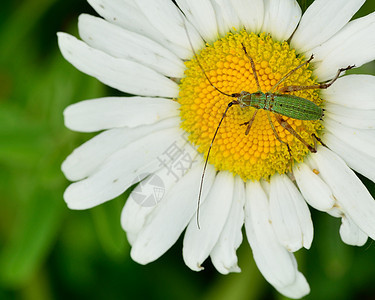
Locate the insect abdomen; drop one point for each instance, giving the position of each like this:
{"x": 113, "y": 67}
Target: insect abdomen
{"x": 296, "y": 107}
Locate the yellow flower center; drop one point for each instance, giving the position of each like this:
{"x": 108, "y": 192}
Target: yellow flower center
{"x": 258, "y": 154}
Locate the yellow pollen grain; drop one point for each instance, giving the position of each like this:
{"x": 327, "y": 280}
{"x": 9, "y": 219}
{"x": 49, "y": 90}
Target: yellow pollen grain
{"x": 259, "y": 154}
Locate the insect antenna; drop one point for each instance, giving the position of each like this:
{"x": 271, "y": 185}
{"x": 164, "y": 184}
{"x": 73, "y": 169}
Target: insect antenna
{"x": 230, "y": 104}
{"x": 234, "y": 95}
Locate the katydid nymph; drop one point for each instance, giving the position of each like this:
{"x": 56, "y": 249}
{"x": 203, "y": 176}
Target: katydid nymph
{"x": 276, "y": 101}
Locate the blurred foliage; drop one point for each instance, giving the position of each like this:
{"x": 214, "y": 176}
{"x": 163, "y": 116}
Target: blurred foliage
{"x": 50, "y": 252}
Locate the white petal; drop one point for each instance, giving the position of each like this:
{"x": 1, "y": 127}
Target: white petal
{"x": 89, "y": 156}
{"x": 120, "y": 170}
{"x": 169, "y": 21}
{"x": 281, "y": 18}
{"x": 121, "y": 43}
{"x": 223, "y": 256}
{"x": 355, "y": 91}
{"x": 353, "y": 45}
{"x": 276, "y": 264}
{"x": 361, "y": 139}
{"x": 349, "y": 191}
{"x": 199, "y": 242}
{"x": 111, "y": 112}
{"x": 355, "y": 158}
{"x": 124, "y": 75}
{"x": 297, "y": 290}
{"x": 226, "y": 16}
{"x": 321, "y": 21}
{"x": 133, "y": 217}
{"x": 351, "y": 234}
{"x": 313, "y": 188}
{"x": 169, "y": 219}
{"x": 290, "y": 215}
{"x": 127, "y": 15}
{"x": 250, "y": 13}
{"x": 150, "y": 192}
{"x": 202, "y": 15}
{"x": 349, "y": 116}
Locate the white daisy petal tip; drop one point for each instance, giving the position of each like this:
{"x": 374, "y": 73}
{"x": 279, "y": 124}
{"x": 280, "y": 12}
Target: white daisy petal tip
{"x": 351, "y": 234}
{"x": 352, "y": 196}
{"x": 116, "y": 112}
{"x": 289, "y": 214}
{"x": 298, "y": 289}
{"x": 214, "y": 211}
{"x": 225, "y": 269}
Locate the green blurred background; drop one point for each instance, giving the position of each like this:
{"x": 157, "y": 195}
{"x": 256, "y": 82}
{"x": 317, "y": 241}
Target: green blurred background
{"x": 50, "y": 252}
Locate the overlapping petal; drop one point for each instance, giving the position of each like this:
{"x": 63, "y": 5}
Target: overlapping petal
{"x": 169, "y": 21}
{"x": 166, "y": 223}
{"x": 351, "y": 234}
{"x": 199, "y": 241}
{"x": 353, "y": 45}
{"x": 86, "y": 159}
{"x": 281, "y": 18}
{"x": 122, "y": 43}
{"x": 354, "y": 91}
{"x": 226, "y": 16}
{"x": 135, "y": 213}
{"x": 223, "y": 255}
{"x": 277, "y": 265}
{"x": 250, "y": 13}
{"x": 353, "y": 156}
{"x": 351, "y": 117}
{"x": 120, "y": 170}
{"x": 349, "y": 191}
{"x": 361, "y": 139}
{"x": 202, "y": 15}
{"x": 322, "y": 20}
{"x": 289, "y": 214}
{"x": 313, "y": 188}
{"x": 115, "y": 112}
{"x": 122, "y": 74}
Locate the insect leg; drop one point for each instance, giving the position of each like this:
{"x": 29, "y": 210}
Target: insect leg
{"x": 250, "y": 122}
{"x": 290, "y": 73}
{"x": 316, "y": 138}
{"x": 276, "y": 134}
{"x": 287, "y": 126}
{"x": 293, "y": 88}
{"x": 252, "y": 67}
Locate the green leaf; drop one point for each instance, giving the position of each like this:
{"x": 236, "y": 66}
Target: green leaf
{"x": 34, "y": 234}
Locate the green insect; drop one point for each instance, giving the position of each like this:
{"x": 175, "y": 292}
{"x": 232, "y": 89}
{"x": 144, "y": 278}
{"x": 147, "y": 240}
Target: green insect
{"x": 280, "y": 104}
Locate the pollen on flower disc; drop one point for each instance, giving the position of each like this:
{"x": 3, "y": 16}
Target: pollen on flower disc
{"x": 258, "y": 154}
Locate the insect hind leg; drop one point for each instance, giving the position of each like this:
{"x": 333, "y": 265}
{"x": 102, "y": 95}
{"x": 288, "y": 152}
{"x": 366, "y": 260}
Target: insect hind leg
{"x": 277, "y": 135}
{"x": 317, "y": 139}
{"x": 293, "y": 88}
{"x": 289, "y": 128}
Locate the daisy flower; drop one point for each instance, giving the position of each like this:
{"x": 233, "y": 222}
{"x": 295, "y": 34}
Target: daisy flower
{"x": 163, "y": 133}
